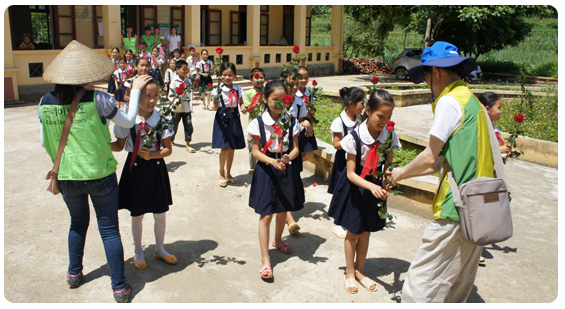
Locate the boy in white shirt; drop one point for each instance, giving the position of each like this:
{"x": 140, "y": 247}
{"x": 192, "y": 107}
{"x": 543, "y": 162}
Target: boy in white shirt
{"x": 184, "y": 109}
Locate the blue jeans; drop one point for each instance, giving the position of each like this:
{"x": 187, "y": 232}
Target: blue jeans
{"x": 104, "y": 196}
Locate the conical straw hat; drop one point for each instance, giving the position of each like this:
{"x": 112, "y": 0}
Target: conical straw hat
{"x": 76, "y": 65}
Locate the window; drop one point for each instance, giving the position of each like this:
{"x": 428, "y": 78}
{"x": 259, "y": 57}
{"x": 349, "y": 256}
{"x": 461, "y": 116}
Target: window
{"x": 177, "y": 20}
{"x": 234, "y": 27}
{"x": 267, "y": 58}
{"x": 98, "y": 39}
{"x": 41, "y": 25}
{"x": 264, "y": 24}
{"x": 64, "y": 25}
{"x": 318, "y": 56}
{"x": 309, "y": 57}
{"x": 308, "y": 29}
{"x": 288, "y": 23}
{"x": 288, "y": 57}
{"x": 226, "y": 58}
{"x": 327, "y": 56}
{"x": 214, "y": 27}
{"x": 36, "y": 69}
{"x": 148, "y": 17}
{"x": 238, "y": 59}
{"x": 264, "y": 8}
{"x": 278, "y": 58}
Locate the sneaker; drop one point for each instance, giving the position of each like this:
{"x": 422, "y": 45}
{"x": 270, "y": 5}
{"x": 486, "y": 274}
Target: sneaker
{"x": 122, "y": 295}
{"x": 339, "y": 231}
{"x": 74, "y": 281}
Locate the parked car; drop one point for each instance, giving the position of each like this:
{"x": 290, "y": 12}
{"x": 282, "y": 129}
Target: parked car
{"x": 407, "y": 59}
{"x": 410, "y": 57}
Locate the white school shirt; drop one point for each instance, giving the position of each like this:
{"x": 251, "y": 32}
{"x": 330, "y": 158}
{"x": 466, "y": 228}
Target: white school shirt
{"x": 447, "y": 118}
{"x": 348, "y": 142}
{"x": 226, "y": 95}
{"x": 169, "y": 75}
{"x": 152, "y": 121}
{"x": 253, "y": 129}
{"x": 174, "y": 42}
{"x": 298, "y": 109}
{"x": 202, "y": 66}
{"x": 192, "y": 61}
{"x": 185, "y": 106}
{"x": 156, "y": 62}
{"x": 145, "y": 54}
{"x": 337, "y": 125}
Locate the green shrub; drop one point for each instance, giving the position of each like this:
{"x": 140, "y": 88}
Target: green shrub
{"x": 326, "y": 112}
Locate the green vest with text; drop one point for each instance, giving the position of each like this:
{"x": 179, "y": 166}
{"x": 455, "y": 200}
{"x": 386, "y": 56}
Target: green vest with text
{"x": 87, "y": 155}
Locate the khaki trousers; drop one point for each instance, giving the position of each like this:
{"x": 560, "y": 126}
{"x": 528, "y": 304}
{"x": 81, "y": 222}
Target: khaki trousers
{"x": 444, "y": 267}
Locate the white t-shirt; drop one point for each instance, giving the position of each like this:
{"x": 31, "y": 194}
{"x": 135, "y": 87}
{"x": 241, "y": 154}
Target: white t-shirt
{"x": 169, "y": 75}
{"x": 348, "y": 142}
{"x": 226, "y": 95}
{"x": 253, "y": 129}
{"x": 337, "y": 124}
{"x": 120, "y": 132}
{"x": 174, "y": 42}
{"x": 447, "y": 118}
{"x": 186, "y": 105}
{"x": 192, "y": 61}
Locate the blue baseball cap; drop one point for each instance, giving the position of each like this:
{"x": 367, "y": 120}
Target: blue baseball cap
{"x": 441, "y": 55}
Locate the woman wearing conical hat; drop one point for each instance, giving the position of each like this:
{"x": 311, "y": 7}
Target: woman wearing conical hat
{"x": 87, "y": 166}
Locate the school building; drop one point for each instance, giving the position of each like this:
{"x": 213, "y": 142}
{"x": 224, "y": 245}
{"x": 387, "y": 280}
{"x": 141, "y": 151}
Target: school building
{"x": 251, "y": 36}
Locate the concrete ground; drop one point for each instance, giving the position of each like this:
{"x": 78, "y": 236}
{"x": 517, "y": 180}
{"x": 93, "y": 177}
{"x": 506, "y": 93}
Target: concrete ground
{"x": 213, "y": 233}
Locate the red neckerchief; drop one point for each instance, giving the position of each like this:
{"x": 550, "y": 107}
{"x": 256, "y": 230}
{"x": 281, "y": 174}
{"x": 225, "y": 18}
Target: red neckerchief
{"x": 255, "y": 100}
{"x": 372, "y": 162}
{"x": 232, "y": 97}
{"x": 498, "y": 137}
{"x": 278, "y": 131}
{"x": 136, "y": 146}
{"x": 207, "y": 68}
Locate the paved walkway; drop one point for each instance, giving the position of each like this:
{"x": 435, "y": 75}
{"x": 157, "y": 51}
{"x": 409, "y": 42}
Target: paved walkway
{"x": 213, "y": 233}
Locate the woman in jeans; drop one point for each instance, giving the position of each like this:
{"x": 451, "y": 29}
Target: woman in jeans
{"x": 87, "y": 165}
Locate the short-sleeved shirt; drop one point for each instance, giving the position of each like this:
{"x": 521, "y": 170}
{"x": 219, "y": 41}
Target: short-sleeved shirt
{"x": 173, "y": 42}
{"x": 247, "y": 99}
{"x": 156, "y": 62}
{"x": 298, "y": 108}
{"x": 169, "y": 75}
{"x": 152, "y": 121}
{"x": 348, "y": 142}
{"x": 185, "y": 106}
{"x": 253, "y": 129}
{"x": 447, "y": 118}
{"x": 204, "y": 67}
{"x": 226, "y": 94}
{"x": 192, "y": 61}
{"x": 337, "y": 124}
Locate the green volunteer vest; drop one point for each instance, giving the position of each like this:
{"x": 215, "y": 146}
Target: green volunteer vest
{"x": 87, "y": 155}
{"x": 130, "y": 43}
{"x": 150, "y": 41}
{"x": 467, "y": 150}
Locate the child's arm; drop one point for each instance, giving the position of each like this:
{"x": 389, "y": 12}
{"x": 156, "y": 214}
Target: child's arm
{"x": 166, "y": 151}
{"x": 242, "y": 106}
{"x": 116, "y": 82}
{"x": 118, "y": 145}
{"x": 337, "y": 140}
{"x": 295, "y": 150}
{"x": 263, "y": 157}
{"x": 378, "y": 191}
{"x": 126, "y": 95}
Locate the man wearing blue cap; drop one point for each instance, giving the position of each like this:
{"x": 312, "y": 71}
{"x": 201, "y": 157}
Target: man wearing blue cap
{"x": 445, "y": 266}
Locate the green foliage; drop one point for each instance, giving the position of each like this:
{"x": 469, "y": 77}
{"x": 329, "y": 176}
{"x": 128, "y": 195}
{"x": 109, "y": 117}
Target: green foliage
{"x": 327, "y": 111}
{"x": 323, "y": 10}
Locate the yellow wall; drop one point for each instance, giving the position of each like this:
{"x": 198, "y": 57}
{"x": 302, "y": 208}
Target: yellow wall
{"x": 85, "y": 32}
{"x": 275, "y": 23}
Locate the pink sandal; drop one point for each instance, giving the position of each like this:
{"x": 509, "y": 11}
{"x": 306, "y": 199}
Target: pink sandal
{"x": 284, "y": 247}
{"x": 266, "y": 273}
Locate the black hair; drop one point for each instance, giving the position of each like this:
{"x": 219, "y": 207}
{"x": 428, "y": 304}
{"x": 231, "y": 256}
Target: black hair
{"x": 143, "y": 43}
{"x": 378, "y": 98}
{"x": 116, "y": 49}
{"x": 176, "y": 50}
{"x": 183, "y": 53}
{"x": 152, "y": 81}
{"x": 128, "y": 51}
{"x": 179, "y": 63}
{"x": 147, "y": 28}
{"x": 173, "y": 27}
{"x": 204, "y": 50}
{"x": 123, "y": 58}
{"x": 129, "y": 26}
{"x": 270, "y": 88}
{"x": 285, "y": 74}
{"x": 156, "y": 27}
{"x": 256, "y": 70}
{"x": 66, "y": 93}
{"x": 226, "y": 66}
{"x": 191, "y": 48}
{"x": 351, "y": 94}
{"x": 489, "y": 98}
{"x": 139, "y": 59}
{"x": 301, "y": 67}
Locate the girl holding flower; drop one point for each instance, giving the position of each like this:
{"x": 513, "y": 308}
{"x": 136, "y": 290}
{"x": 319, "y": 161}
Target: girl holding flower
{"x": 227, "y": 133}
{"x": 355, "y": 203}
{"x": 276, "y": 187}
{"x": 493, "y": 105}
{"x": 203, "y": 69}
{"x": 144, "y": 185}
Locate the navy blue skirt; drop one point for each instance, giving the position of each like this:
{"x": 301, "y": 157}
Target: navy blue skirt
{"x": 274, "y": 191}
{"x": 204, "y": 81}
{"x": 355, "y": 208}
{"x": 119, "y": 94}
{"x": 307, "y": 144}
{"x": 339, "y": 171}
{"x": 227, "y": 131}
{"x": 146, "y": 188}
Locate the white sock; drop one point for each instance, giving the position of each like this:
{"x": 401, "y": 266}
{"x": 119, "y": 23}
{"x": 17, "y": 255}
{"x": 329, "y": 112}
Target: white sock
{"x": 160, "y": 227}
{"x": 137, "y": 232}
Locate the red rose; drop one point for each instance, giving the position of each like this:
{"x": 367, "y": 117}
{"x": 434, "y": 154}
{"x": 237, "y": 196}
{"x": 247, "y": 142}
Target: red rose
{"x": 219, "y": 50}
{"x": 129, "y": 72}
{"x": 374, "y": 80}
{"x": 196, "y": 81}
{"x": 314, "y": 83}
{"x": 296, "y": 49}
{"x": 519, "y": 118}
{"x": 209, "y": 85}
{"x": 390, "y": 126}
{"x": 180, "y": 89}
{"x": 109, "y": 56}
{"x": 256, "y": 75}
{"x": 288, "y": 99}
{"x": 140, "y": 46}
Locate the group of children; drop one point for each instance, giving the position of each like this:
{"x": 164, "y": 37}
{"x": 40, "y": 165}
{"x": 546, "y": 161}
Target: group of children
{"x": 276, "y": 187}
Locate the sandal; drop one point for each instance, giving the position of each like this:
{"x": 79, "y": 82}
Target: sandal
{"x": 190, "y": 149}
{"x": 482, "y": 261}
{"x": 171, "y": 259}
{"x": 266, "y": 273}
{"x": 285, "y": 248}
{"x": 350, "y": 283}
{"x": 293, "y": 228}
{"x": 233, "y": 180}
{"x": 223, "y": 183}
{"x": 367, "y": 283}
{"x": 141, "y": 265}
